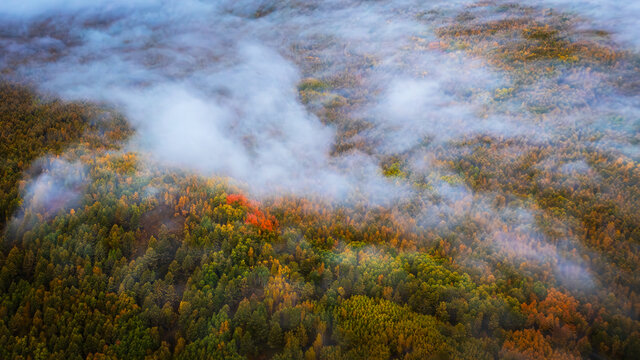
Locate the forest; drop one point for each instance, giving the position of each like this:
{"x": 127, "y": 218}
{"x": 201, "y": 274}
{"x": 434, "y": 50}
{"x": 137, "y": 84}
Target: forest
{"x": 319, "y": 180}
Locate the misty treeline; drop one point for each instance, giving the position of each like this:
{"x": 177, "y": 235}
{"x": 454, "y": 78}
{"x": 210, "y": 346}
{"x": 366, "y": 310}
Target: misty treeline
{"x": 153, "y": 263}
{"x": 446, "y": 180}
{"x": 33, "y": 126}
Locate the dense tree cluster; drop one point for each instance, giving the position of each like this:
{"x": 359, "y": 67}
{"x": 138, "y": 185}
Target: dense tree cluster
{"x": 163, "y": 264}
{"x": 32, "y": 126}
{"x": 509, "y": 247}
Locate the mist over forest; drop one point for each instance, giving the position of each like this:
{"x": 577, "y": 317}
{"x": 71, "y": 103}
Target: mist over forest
{"x": 214, "y": 179}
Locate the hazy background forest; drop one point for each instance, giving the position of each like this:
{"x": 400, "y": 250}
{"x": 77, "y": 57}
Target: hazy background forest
{"x": 339, "y": 179}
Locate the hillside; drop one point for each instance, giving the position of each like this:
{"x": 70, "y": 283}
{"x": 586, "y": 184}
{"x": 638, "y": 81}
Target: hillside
{"x": 319, "y": 180}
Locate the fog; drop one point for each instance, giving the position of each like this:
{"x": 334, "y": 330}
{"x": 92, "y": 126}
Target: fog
{"x": 617, "y": 17}
{"x": 56, "y": 184}
{"x": 212, "y": 86}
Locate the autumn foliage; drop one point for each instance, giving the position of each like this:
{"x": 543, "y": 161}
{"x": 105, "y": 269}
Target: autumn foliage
{"x": 510, "y": 248}
{"x": 254, "y": 216}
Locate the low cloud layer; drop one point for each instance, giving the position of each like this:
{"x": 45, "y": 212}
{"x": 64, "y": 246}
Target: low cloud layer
{"x": 207, "y": 85}
{"x": 211, "y": 86}
{"x": 58, "y": 185}
{"x": 618, "y": 17}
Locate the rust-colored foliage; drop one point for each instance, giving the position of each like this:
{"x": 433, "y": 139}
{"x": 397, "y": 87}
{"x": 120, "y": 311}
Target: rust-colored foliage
{"x": 254, "y": 215}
